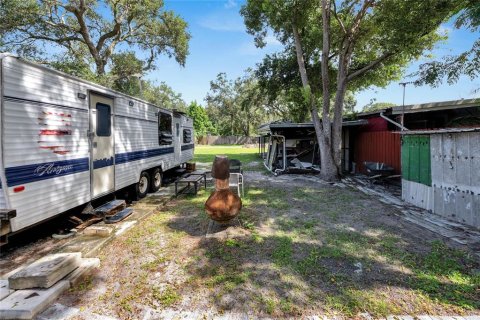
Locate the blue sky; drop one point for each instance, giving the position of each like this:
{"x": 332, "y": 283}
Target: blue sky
{"x": 220, "y": 44}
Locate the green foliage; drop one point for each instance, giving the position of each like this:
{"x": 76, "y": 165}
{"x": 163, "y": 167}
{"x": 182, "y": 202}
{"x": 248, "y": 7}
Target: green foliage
{"x": 95, "y": 27}
{"x": 201, "y": 122}
{"x": 452, "y": 67}
{"x": 126, "y": 71}
{"x": 236, "y": 107}
{"x": 390, "y": 29}
{"x": 163, "y": 96}
{"x": 374, "y": 106}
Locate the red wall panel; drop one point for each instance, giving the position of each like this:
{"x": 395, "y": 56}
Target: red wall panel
{"x": 379, "y": 146}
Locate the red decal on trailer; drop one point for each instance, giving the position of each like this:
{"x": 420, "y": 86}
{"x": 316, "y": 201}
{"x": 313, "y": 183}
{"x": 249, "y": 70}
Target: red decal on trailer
{"x": 55, "y": 132}
{"x": 18, "y": 189}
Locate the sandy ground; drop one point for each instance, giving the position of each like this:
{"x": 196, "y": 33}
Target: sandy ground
{"x": 302, "y": 247}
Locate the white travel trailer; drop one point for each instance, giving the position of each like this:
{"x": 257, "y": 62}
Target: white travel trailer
{"x": 66, "y": 142}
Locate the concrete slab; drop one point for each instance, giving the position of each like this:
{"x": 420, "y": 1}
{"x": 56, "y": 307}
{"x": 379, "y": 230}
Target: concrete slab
{"x": 4, "y": 289}
{"x": 58, "y": 311}
{"x": 26, "y": 304}
{"x": 87, "y": 245}
{"x": 101, "y": 231}
{"x": 46, "y": 271}
{"x": 86, "y": 266}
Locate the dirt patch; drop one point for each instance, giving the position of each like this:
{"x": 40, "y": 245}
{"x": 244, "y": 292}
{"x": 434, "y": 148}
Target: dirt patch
{"x": 304, "y": 247}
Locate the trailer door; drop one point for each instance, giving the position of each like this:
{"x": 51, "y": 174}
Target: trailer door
{"x": 101, "y": 145}
{"x": 177, "y": 120}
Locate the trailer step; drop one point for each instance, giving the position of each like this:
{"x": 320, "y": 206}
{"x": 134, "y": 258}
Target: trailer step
{"x": 110, "y": 208}
{"x": 119, "y": 216}
{"x": 7, "y": 214}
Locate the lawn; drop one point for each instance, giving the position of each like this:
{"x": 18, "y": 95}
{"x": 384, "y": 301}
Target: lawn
{"x": 206, "y": 154}
{"x": 304, "y": 248}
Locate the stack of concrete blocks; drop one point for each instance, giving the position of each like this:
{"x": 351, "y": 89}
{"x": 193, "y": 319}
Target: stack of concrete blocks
{"x": 29, "y": 290}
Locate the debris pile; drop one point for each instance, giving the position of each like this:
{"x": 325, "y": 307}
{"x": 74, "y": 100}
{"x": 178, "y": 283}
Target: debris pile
{"x": 30, "y": 289}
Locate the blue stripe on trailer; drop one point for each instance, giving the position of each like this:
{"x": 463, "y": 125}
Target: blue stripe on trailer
{"x": 188, "y": 147}
{"x": 42, "y": 171}
{"x": 101, "y": 163}
{"x": 138, "y": 155}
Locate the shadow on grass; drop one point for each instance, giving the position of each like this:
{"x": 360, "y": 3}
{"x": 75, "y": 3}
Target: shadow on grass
{"x": 316, "y": 257}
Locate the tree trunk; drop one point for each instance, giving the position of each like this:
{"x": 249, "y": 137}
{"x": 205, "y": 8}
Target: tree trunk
{"x": 338, "y": 111}
{"x": 328, "y": 170}
{"x": 100, "y": 68}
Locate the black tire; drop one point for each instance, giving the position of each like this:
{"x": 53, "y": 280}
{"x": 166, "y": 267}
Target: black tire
{"x": 156, "y": 180}
{"x": 142, "y": 185}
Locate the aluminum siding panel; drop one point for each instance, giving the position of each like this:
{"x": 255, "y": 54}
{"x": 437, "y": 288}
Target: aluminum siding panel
{"x": 133, "y": 135}
{"x": 418, "y": 194}
{"x": 3, "y": 199}
{"x": 51, "y": 128}
{"x": 32, "y": 83}
{"x": 455, "y": 161}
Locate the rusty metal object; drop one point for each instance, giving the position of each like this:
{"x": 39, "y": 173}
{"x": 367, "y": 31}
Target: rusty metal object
{"x": 221, "y": 168}
{"x": 223, "y": 204}
{"x": 222, "y": 184}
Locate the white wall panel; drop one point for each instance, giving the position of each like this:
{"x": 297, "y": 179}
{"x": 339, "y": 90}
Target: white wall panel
{"x": 46, "y": 198}
{"x": 456, "y": 176}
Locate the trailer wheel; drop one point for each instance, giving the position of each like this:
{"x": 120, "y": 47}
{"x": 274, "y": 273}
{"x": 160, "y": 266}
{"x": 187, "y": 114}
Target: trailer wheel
{"x": 142, "y": 185}
{"x": 156, "y": 180}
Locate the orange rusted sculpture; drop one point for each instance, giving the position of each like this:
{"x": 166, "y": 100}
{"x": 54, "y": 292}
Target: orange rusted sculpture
{"x": 223, "y": 204}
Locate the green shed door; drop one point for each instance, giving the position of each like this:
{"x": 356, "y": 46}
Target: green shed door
{"x": 416, "y": 159}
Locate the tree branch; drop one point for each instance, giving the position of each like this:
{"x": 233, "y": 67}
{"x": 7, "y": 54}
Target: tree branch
{"x": 340, "y": 22}
{"x": 369, "y": 66}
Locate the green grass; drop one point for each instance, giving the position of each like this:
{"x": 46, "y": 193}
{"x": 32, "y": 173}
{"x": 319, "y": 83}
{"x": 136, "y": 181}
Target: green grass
{"x": 208, "y": 153}
{"x": 167, "y": 297}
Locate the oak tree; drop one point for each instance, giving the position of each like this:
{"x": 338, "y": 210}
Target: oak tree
{"x": 40, "y": 28}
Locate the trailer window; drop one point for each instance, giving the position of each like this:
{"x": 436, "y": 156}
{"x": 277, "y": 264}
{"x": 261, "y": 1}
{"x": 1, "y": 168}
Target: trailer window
{"x": 104, "y": 120}
{"x": 164, "y": 129}
{"x": 187, "y": 135}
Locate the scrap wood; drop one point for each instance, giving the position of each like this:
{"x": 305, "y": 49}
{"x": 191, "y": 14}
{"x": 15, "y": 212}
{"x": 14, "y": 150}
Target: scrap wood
{"x": 88, "y": 223}
{"x": 75, "y": 219}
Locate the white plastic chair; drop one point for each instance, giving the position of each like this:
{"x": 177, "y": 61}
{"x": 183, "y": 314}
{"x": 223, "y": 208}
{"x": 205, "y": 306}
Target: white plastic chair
{"x": 236, "y": 181}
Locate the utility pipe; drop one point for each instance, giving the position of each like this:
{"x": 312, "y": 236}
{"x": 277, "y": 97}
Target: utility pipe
{"x": 391, "y": 121}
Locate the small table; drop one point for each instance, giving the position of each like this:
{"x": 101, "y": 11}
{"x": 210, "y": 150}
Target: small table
{"x": 195, "y": 179}
{"x": 202, "y": 173}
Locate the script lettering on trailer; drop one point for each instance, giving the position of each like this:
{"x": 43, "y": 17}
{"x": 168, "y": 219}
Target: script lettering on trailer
{"x": 52, "y": 169}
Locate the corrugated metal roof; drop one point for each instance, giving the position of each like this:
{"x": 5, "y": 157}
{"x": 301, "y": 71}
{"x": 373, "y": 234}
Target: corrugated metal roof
{"x": 293, "y": 125}
{"x": 435, "y": 131}
{"x": 436, "y": 106}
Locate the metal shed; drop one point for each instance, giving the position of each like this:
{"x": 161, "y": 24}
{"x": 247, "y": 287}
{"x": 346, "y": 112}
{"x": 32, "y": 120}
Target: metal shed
{"x": 441, "y": 172}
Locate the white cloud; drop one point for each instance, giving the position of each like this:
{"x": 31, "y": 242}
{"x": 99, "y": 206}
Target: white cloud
{"x": 270, "y": 40}
{"x": 230, "y": 4}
